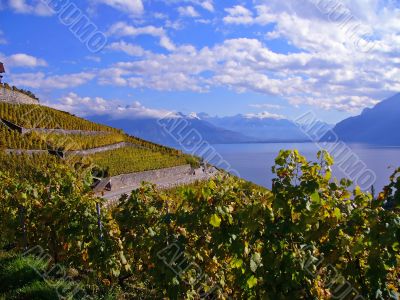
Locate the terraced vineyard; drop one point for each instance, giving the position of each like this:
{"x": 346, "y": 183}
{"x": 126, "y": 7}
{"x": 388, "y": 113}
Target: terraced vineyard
{"x": 37, "y": 116}
{"x": 11, "y": 139}
{"x": 146, "y": 156}
{"x": 129, "y": 159}
{"x": 26, "y": 166}
{"x": 82, "y": 142}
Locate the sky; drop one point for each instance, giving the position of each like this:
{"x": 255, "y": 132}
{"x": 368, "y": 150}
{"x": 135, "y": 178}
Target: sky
{"x": 144, "y": 58}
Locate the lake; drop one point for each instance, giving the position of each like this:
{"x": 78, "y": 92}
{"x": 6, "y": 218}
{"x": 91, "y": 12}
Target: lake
{"x": 364, "y": 164}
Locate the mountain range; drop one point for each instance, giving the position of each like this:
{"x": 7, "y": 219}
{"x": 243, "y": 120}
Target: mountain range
{"x": 150, "y": 129}
{"x": 215, "y": 130}
{"x": 378, "y": 125}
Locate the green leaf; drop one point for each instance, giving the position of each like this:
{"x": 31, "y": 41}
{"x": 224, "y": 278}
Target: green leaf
{"x": 315, "y": 197}
{"x": 395, "y": 246}
{"x": 251, "y": 282}
{"x": 236, "y": 263}
{"x": 215, "y": 220}
{"x": 337, "y": 213}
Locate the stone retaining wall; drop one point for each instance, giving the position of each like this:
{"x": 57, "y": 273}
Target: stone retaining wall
{"x": 64, "y": 131}
{"x": 24, "y": 130}
{"x": 100, "y": 149}
{"x": 75, "y": 152}
{"x": 126, "y": 180}
{"x": 14, "y": 97}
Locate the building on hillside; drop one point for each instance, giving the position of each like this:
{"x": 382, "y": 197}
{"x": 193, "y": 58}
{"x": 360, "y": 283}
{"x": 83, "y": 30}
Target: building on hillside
{"x": 14, "y": 95}
{"x": 2, "y": 71}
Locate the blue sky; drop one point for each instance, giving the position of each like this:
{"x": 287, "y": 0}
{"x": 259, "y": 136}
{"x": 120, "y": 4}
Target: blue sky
{"x": 263, "y": 58}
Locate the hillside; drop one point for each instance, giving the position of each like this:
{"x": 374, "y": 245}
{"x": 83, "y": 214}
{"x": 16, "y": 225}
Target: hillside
{"x": 379, "y": 125}
{"x": 38, "y": 129}
{"x": 234, "y": 239}
{"x": 132, "y": 240}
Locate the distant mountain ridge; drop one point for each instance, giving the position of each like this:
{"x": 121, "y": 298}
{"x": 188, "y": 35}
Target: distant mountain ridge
{"x": 379, "y": 125}
{"x": 263, "y": 129}
{"x": 213, "y": 129}
{"x": 149, "y": 129}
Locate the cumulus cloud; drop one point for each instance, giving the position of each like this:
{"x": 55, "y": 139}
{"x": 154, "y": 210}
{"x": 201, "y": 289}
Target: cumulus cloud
{"x": 188, "y": 11}
{"x": 122, "y": 29}
{"x": 22, "y": 60}
{"x": 204, "y": 4}
{"x": 36, "y": 7}
{"x": 84, "y": 106}
{"x": 25, "y": 60}
{"x": 325, "y": 68}
{"x": 238, "y": 15}
{"x": 134, "y": 7}
{"x": 330, "y": 63}
{"x": 40, "y": 81}
{"x": 322, "y": 78}
{"x": 208, "y": 5}
{"x": 128, "y": 48}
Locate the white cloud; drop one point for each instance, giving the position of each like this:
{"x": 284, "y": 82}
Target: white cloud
{"x": 324, "y": 67}
{"x": 84, "y": 106}
{"x": 25, "y": 60}
{"x": 238, "y": 15}
{"x": 325, "y": 79}
{"x": 204, "y": 4}
{"x": 36, "y": 7}
{"x": 176, "y": 25}
{"x": 134, "y": 7}
{"x": 208, "y": 5}
{"x": 22, "y": 60}
{"x": 40, "y": 81}
{"x": 264, "y": 115}
{"x": 121, "y": 29}
{"x": 188, "y": 11}
{"x": 128, "y": 48}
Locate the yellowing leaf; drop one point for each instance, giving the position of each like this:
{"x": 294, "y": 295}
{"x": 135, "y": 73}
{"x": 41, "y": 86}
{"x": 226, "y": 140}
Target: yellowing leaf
{"x": 357, "y": 191}
{"x": 215, "y": 220}
{"x": 236, "y": 263}
{"x": 251, "y": 282}
{"x": 85, "y": 255}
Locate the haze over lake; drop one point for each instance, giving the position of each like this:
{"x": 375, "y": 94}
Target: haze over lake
{"x": 254, "y": 161}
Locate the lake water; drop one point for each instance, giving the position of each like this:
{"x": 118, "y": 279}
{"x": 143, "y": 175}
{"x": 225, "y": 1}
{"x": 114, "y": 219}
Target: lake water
{"x": 365, "y": 164}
